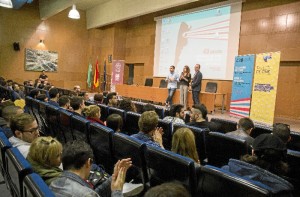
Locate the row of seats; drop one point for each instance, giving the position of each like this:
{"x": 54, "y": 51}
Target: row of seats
{"x": 18, "y": 174}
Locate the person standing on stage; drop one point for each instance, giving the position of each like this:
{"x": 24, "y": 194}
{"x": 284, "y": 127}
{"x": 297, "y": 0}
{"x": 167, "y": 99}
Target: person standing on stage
{"x": 43, "y": 77}
{"x": 172, "y": 80}
{"x": 185, "y": 79}
{"x": 196, "y": 84}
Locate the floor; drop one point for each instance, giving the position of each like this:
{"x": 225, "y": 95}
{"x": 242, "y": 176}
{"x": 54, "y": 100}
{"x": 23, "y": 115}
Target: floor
{"x": 3, "y": 189}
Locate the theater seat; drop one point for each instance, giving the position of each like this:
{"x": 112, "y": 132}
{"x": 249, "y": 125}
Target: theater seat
{"x": 294, "y": 144}
{"x": 80, "y": 128}
{"x": 17, "y": 168}
{"x": 225, "y": 125}
{"x": 34, "y": 185}
{"x": 4, "y": 145}
{"x": 260, "y": 129}
{"x": 220, "y": 148}
{"x": 167, "y": 136}
{"x": 52, "y": 120}
{"x": 149, "y": 82}
{"x": 131, "y": 123}
{"x": 122, "y": 113}
{"x": 65, "y": 124}
{"x": 104, "y": 111}
{"x": 166, "y": 166}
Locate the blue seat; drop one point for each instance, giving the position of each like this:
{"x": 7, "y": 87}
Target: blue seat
{"x": 200, "y": 138}
{"x": 131, "y": 123}
{"x": 4, "y": 145}
{"x": 17, "y": 168}
{"x": 160, "y": 112}
{"x": 80, "y": 128}
{"x": 37, "y": 115}
{"x": 34, "y": 186}
{"x": 125, "y": 146}
{"x": 43, "y": 116}
{"x": 101, "y": 143}
{"x": 165, "y": 166}
{"x": 139, "y": 106}
{"x": 104, "y": 111}
{"x": 225, "y": 125}
{"x": 294, "y": 144}
{"x": 220, "y": 148}
{"x": 260, "y": 129}
{"x": 28, "y": 106}
{"x": 218, "y": 182}
{"x": 167, "y": 136}
{"x": 52, "y": 120}
{"x": 65, "y": 124}
{"x": 293, "y": 160}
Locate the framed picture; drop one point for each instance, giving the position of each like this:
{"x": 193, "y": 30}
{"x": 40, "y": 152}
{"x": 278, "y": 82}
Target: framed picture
{"x": 38, "y": 60}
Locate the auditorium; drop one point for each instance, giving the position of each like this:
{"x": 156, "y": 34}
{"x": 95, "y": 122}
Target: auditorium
{"x": 149, "y": 98}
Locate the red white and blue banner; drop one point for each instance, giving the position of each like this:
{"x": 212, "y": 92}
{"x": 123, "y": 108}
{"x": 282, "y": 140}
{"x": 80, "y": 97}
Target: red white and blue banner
{"x": 242, "y": 85}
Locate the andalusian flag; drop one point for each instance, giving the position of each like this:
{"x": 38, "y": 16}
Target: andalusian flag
{"x": 89, "y": 75}
{"x": 96, "y": 76}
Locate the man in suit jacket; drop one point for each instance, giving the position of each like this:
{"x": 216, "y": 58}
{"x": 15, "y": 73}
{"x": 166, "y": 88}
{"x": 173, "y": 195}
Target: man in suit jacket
{"x": 196, "y": 84}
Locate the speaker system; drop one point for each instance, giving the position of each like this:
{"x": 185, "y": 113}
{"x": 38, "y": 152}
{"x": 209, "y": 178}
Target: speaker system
{"x": 16, "y": 46}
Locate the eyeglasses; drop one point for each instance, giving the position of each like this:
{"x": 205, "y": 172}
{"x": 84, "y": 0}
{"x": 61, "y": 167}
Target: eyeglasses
{"x": 278, "y": 124}
{"x": 33, "y": 130}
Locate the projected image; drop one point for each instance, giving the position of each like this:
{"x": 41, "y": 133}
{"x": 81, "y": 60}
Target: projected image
{"x": 196, "y": 37}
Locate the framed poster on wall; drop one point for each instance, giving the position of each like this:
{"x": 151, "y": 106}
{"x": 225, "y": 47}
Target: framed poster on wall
{"x": 38, "y": 60}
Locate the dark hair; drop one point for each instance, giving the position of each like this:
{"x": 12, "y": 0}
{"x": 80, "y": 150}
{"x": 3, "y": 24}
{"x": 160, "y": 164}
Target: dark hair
{"x": 126, "y": 105}
{"x": 41, "y": 97}
{"x": 246, "y": 124}
{"x": 282, "y": 131}
{"x": 110, "y": 96}
{"x": 33, "y": 93}
{"x": 53, "y": 92}
{"x": 202, "y": 109}
{"x": 115, "y": 122}
{"x": 75, "y": 154}
{"x": 20, "y": 121}
{"x": 176, "y": 108}
{"x": 98, "y": 98}
{"x": 63, "y": 100}
{"x": 172, "y": 66}
{"x": 168, "y": 190}
{"x": 76, "y": 101}
{"x": 148, "y": 107}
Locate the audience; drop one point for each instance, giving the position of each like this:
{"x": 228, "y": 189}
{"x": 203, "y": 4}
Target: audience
{"x": 8, "y": 113}
{"x": 183, "y": 143}
{"x": 115, "y": 122}
{"x": 45, "y": 158}
{"x": 176, "y": 114}
{"x": 282, "y": 131}
{"x": 244, "y": 128}
{"x": 77, "y": 104}
{"x": 42, "y": 97}
{"x": 168, "y": 190}
{"x": 34, "y": 93}
{"x": 148, "y": 107}
{"x": 54, "y": 95}
{"x": 149, "y": 132}
{"x": 25, "y": 129}
{"x": 64, "y": 102}
{"x": 77, "y": 89}
{"x": 127, "y": 105}
{"x": 111, "y": 99}
{"x": 98, "y": 98}
{"x": 93, "y": 114}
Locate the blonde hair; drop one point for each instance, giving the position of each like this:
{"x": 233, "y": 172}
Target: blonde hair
{"x": 91, "y": 111}
{"x": 183, "y": 143}
{"x": 44, "y": 150}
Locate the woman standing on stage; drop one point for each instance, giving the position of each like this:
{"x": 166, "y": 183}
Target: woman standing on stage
{"x": 185, "y": 79}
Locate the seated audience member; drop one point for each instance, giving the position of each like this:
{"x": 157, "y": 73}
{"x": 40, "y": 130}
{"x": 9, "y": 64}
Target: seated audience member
{"x": 54, "y": 95}
{"x": 45, "y": 158}
{"x": 149, "y": 132}
{"x": 34, "y": 93}
{"x": 42, "y": 97}
{"x": 25, "y": 129}
{"x": 84, "y": 95}
{"x": 148, "y": 107}
{"x": 93, "y": 113}
{"x": 168, "y": 190}
{"x": 8, "y": 113}
{"x": 30, "y": 82}
{"x": 5, "y": 103}
{"x": 244, "y": 128}
{"x": 198, "y": 113}
{"x": 265, "y": 165}
{"x": 127, "y": 105}
{"x": 37, "y": 83}
{"x": 77, "y": 159}
{"x": 64, "y": 102}
{"x": 19, "y": 93}
{"x": 282, "y": 131}
{"x": 77, "y": 104}
{"x": 98, "y": 98}
{"x": 176, "y": 114}
{"x": 115, "y": 122}
{"x": 183, "y": 143}
{"x": 77, "y": 89}
{"x": 111, "y": 99}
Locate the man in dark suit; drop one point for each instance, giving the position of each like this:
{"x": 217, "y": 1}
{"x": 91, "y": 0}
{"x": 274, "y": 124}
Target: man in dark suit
{"x": 196, "y": 84}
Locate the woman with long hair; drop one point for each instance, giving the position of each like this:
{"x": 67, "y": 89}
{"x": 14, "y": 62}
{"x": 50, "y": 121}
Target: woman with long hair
{"x": 184, "y": 80}
{"x": 183, "y": 143}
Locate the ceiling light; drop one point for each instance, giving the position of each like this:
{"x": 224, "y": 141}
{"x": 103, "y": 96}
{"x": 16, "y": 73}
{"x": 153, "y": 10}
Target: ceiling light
{"x": 6, "y": 3}
{"x": 74, "y": 14}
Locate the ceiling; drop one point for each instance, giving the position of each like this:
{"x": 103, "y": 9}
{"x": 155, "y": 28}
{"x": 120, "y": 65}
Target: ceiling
{"x": 87, "y": 4}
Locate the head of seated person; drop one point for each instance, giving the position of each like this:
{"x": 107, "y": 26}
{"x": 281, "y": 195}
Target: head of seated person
{"x": 34, "y": 93}
{"x": 246, "y": 124}
{"x": 111, "y": 99}
{"x": 45, "y": 157}
{"x": 64, "y": 102}
{"x": 115, "y": 122}
{"x": 168, "y": 190}
{"x": 77, "y": 104}
{"x": 148, "y": 107}
{"x": 98, "y": 98}
{"x": 282, "y": 131}
{"x": 42, "y": 97}
{"x": 127, "y": 105}
{"x": 183, "y": 143}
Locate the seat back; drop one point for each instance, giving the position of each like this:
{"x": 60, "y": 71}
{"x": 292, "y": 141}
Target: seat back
{"x": 294, "y": 144}
{"x": 260, "y": 129}
{"x": 28, "y": 106}
{"x": 218, "y": 182}
{"x": 80, "y": 128}
{"x": 34, "y": 186}
{"x": 149, "y": 82}
{"x": 167, "y": 136}
{"x": 52, "y": 120}
{"x": 225, "y": 125}
{"x": 131, "y": 123}
{"x": 104, "y": 111}
{"x": 166, "y": 166}
{"x": 160, "y": 112}
{"x": 65, "y": 124}
{"x": 200, "y": 139}
{"x": 163, "y": 84}
{"x": 139, "y": 106}
{"x": 211, "y": 87}
{"x": 17, "y": 168}
{"x": 293, "y": 160}
{"x": 125, "y": 146}
{"x": 4, "y": 145}
{"x": 88, "y": 103}
{"x": 220, "y": 148}
{"x": 101, "y": 143}
{"x": 43, "y": 116}
{"x": 37, "y": 115}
